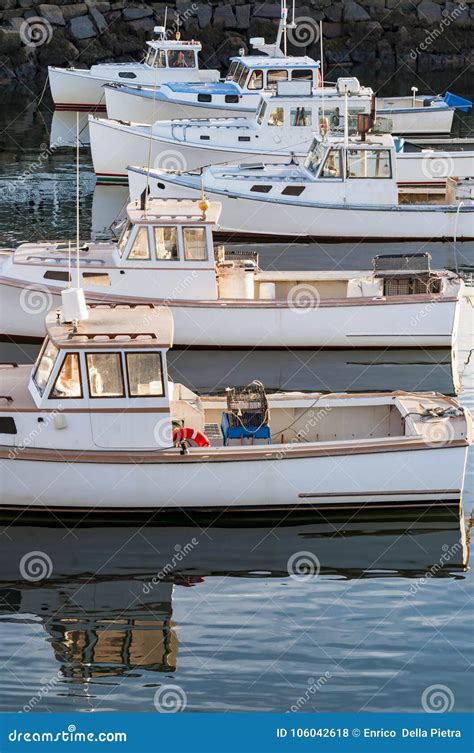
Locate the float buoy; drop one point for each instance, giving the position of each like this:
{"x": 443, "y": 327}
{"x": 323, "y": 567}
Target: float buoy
{"x": 186, "y": 434}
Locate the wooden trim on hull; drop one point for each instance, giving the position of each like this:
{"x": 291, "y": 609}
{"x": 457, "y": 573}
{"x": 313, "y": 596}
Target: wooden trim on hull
{"x": 216, "y": 455}
{"x": 75, "y": 107}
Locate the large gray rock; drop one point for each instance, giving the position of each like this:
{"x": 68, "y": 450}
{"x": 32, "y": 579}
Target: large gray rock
{"x": 99, "y": 19}
{"x": 53, "y": 14}
{"x": 82, "y": 27}
{"x": 72, "y": 11}
{"x": 334, "y": 12}
{"x": 224, "y": 16}
{"x": 267, "y": 11}
{"x": 9, "y": 40}
{"x": 204, "y": 15}
{"x": 131, "y": 14}
{"x": 355, "y": 12}
{"x": 429, "y": 13}
{"x": 332, "y": 30}
{"x": 242, "y": 16}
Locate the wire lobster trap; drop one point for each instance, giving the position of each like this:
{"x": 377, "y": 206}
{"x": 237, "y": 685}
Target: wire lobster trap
{"x": 247, "y": 406}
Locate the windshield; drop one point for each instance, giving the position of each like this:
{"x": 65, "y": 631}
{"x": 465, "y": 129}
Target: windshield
{"x": 124, "y": 238}
{"x": 232, "y": 69}
{"x": 45, "y": 366}
{"x": 261, "y": 112}
{"x": 181, "y": 59}
{"x": 236, "y": 72}
{"x": 315, "y": 156}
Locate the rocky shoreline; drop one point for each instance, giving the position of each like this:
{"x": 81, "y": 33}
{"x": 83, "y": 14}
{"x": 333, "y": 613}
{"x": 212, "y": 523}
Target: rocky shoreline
{"x": 384, "y": 34}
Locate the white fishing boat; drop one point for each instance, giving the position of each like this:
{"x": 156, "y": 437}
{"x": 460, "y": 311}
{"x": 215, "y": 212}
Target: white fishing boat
{"x": 98, "y": 403}
{"x": 165, "y": 255}
{"x": 236, "y": 97}
{"x": 166, "y": 61}
{"x": 347, "y": 188}
{"x": 284, "y": 126}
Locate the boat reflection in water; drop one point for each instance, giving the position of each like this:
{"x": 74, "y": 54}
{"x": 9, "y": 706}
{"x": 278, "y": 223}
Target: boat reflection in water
{"x": 107, "y": 605}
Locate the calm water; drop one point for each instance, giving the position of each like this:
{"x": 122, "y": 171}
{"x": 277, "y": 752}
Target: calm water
{"x": 223, "y": 620}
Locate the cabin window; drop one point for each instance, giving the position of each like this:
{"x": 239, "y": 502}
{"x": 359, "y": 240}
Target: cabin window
{"x": 160, "y": 60}
{"x": 301, "y": 116}
{"x": 261, "y": 112}
{"x": 149, "y": 57}
{"x": 255, "y": 80}
{"x": 124, "y": 238}
{"x": 368, "y": 163}
{"x": 332, "y": 165}
{"x": 275, "y": 76}
{"x": 140, "y": 248}
{"x": 181, "y": 58}
{"x": 68, "y": 383}
{"x": 145, "y": 374}
{"x": 276, "y": 117}
{"x": 45, "y": 366}
{"x": 233, "y": 67}
{"x": 127, "y": 74}
{"x": 166, "y": 244}
{"x": 237, "y": 72}
{"x": 244, "y": 138}
{"x": 57, "y": 275}
{"x": 306, "y": 74}
{"x": 242, "y": 78}
{"x": 315, "y": 157}
{"x": 104, "y": 373}
{"x": 204, "y": 138}
{"x": 204, "y": 98}
{"x": 231, "y": 98}
{"x": 259, "y": 188}
{"x": 96, "y": 278}
{"x": 333, "y": 116}
{"x": 7, "y": 425}
{"x": 293, "y": 191}
{"x": 195, "y": 244}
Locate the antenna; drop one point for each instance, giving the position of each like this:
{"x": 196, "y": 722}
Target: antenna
{"x": 166, "y": 18}
{"x": 78, "y": 193}
{"x": 321, "y": 64}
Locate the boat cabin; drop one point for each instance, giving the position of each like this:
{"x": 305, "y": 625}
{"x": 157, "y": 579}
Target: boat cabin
{"x": 253, "y": 73}
{"x": 172, "y": 53}
{"x": 114, "y": 363}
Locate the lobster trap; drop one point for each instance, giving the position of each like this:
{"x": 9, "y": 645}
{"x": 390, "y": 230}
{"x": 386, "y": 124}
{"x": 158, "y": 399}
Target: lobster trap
{"x": 247, "y": 414}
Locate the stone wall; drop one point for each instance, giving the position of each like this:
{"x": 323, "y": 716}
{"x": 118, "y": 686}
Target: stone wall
{"x": 382, "y": 34}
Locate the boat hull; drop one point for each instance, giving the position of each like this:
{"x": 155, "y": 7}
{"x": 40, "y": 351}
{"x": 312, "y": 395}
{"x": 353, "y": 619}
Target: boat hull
{"x": 390, "y": 477}
{"x": 76, "y": 89}
{"x": 338, "y": 324}
{"x": 247, "y": 217}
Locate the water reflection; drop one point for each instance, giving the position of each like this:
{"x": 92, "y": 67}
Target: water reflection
{"x": 107, "y": 607}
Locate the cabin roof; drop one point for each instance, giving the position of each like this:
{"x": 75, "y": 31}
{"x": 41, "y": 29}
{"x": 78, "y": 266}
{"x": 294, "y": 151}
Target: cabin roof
{"x": 263, "y": 61}
{"x": 116, "y": 325}
{"x": 173, "y": 212}
{"x": 175, "y": 44}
